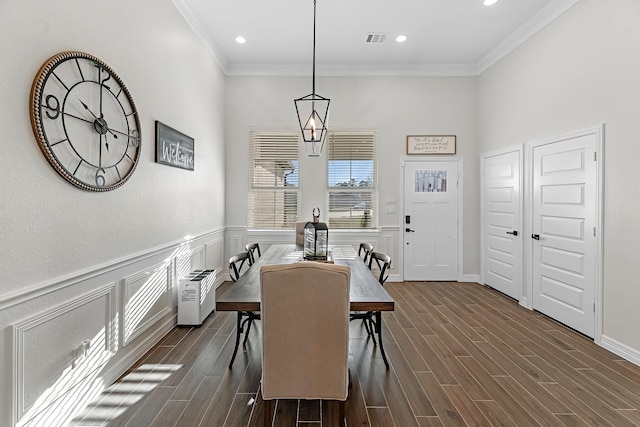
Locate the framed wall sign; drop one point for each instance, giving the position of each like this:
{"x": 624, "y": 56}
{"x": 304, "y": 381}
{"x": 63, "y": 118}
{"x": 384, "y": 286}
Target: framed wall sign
{"x": 431, "y": 144}
{"x": 174, "y": 148}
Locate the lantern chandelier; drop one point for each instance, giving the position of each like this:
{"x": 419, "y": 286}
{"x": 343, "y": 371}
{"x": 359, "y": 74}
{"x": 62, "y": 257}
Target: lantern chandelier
{"x": 313, "y": 110}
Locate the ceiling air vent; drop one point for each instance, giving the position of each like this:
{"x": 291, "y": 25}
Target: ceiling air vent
{"x": 376, "y": 38}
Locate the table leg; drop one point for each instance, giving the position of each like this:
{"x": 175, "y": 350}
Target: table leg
{"x": 238, "y": 329}
{"x": 379, "y": 331}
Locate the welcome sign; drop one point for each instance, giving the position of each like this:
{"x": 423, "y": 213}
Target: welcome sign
{"x": 174, "y": 148}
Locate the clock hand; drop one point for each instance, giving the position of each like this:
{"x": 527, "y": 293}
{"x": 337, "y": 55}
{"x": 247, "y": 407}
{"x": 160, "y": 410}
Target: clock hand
{"x": 100, "y": 121}
{"x": 87, "y": 108}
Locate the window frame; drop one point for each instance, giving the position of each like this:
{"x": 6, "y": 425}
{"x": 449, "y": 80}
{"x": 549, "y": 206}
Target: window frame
{"x": 277, "y": 151}
{"x": 365, "y": 142}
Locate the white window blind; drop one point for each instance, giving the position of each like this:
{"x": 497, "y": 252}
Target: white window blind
{"x": 274, "y": 190}
{"x": 352, "y": 170}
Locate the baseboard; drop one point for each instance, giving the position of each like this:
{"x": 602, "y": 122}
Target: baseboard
{"x": 133, "y": 355}
{"x": 616, "y": 347}
{"x": 472, "y": 278}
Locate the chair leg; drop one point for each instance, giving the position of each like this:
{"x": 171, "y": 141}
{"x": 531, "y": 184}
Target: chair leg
{"x": 238, "y": 331}
{"x": 246, "y": 334}
{"x": 341, "y": 412}
{"x": 266, "y": 413}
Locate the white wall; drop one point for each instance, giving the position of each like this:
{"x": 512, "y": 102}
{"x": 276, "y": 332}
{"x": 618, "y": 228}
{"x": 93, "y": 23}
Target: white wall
{"x": 59, "y": 243}
{"x": 396, "y": 106}
{"x": 578, "y": 72}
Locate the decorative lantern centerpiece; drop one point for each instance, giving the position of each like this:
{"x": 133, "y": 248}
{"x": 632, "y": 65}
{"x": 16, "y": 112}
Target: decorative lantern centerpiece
{"x": 316, "y": 239}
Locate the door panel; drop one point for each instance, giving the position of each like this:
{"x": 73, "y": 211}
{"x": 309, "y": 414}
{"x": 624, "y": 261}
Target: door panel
{"x": 564, "y": 217}
{"x": 502, "y": 250}
{"x": 431, "y": 236}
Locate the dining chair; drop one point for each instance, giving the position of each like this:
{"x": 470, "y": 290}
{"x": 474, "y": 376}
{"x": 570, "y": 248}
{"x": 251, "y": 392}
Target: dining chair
{"x": 364, "y": 251}
{"x": 383, "y": 264}
{"x": 305, "y": 333}
{"x": 238, "y": 265}
{"x": 252, "y": 248}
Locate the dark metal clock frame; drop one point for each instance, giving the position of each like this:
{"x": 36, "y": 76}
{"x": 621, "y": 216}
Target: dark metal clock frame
{"x": 85, "y": 121}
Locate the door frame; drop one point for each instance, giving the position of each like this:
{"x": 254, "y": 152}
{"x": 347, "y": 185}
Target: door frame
{"x": 598, "y": 131}
{"x": 483, "y": 157}
{"x": 460, "y": 220}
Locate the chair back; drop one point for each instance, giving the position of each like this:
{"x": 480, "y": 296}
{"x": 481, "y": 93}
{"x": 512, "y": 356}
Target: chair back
{"x": 305, "y": 331}
{"x": 364, "y": 251}
{"x": 238, "y": 264}
{"x": 382, "y": 264}
{"x": 253, "y": 248}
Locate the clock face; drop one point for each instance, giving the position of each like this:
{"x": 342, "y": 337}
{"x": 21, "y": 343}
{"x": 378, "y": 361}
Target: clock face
{"x": 85, "y": 121}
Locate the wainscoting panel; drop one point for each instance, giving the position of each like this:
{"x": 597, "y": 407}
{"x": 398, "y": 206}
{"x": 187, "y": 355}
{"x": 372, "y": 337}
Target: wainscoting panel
{"x": 147, "y": 299}
{"x": 90, "y": 327}
{"x": 55, "y": 350}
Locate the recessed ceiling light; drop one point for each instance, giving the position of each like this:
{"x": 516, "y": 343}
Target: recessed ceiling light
{"x": 489, "y": 2}
{"x": 401, "y": 38}
{"x": 241, "y": 40}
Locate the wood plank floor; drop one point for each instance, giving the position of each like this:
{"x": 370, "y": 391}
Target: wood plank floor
{"x": 461, "y": 355}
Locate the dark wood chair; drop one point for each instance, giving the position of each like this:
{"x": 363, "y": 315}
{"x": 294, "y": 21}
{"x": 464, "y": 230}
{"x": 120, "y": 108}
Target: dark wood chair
{"x": 253, "y": 248}
{"x": 238, "y": 264}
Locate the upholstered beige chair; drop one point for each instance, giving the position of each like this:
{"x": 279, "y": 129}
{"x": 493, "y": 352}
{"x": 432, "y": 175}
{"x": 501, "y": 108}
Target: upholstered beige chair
{"x": 305, "y": 333}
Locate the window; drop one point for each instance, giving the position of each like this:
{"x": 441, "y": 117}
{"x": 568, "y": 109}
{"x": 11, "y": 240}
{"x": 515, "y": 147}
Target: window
{"x": 274, "y": 190}
{"x": 352, "y": 166}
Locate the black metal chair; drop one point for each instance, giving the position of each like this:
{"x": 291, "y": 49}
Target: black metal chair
{"x": 252, "y": 248}
{"x": 238, "y": 264}
{"x": 364, "y": 251}
{"x": 383, "y": 264}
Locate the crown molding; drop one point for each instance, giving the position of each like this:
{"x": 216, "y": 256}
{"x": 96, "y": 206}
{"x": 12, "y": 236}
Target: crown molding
{"x": 546, "y": 15}
{"x": 201, "y": 31}
{"x": 537, "y": 22}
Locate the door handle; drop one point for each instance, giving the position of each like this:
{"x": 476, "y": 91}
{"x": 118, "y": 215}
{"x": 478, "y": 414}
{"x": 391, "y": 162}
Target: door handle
{"x": 535, "y": 236}
{"x": 514, "y": 232}
{"x": 408, "y": 230}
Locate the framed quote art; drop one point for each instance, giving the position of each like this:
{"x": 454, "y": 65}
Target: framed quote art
{"x": 431, "y": 144}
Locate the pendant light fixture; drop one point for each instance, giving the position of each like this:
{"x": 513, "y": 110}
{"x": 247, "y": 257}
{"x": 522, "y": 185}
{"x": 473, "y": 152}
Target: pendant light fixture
{"x": 313, "y": 110}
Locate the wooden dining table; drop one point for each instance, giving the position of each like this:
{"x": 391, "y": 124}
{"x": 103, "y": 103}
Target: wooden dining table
{"x": 366, "y": 293}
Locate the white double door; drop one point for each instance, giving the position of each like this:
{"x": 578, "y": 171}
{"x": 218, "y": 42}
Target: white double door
{"x": 430, "y": 226}
{"x": 562, "y": 233}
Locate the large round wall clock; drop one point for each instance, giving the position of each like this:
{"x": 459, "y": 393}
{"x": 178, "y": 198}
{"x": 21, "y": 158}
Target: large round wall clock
{"x": 85, "y": 121}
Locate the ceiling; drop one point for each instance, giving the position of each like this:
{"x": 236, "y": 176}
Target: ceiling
{"x": 444, "y": 37}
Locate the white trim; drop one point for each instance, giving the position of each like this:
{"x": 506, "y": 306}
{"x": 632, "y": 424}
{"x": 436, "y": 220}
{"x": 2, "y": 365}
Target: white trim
{"x": 622, "y": 350}
{"x": 167, "y": 270}
{"x": 201, "y": 31}
{"x": 538, "y": 21}
{"x": 22, "y": 327}
{"x": 472, "y": 278}
{"x": 37, "y": 290}
{"x": 599, "y": 220}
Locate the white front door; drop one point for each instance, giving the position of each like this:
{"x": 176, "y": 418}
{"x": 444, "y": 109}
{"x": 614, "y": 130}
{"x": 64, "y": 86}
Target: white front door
{"x": 502, "y": 252}
{"x": 564, "y": 184}
{"x": 430, "y": 225}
